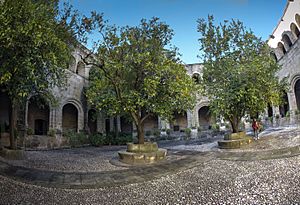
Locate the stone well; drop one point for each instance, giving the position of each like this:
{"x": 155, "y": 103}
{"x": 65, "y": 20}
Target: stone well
{"x": 142, "y": 153}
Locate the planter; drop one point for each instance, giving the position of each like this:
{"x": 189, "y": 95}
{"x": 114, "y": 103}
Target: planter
{"x": 235, "y": 141}
{"x": 142, "y": 153}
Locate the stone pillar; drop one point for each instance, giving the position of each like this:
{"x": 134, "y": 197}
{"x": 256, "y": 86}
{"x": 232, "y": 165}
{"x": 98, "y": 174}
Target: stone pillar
{"x": 189, "y": 116}
{"x": 111, "y": 124}
{"x": 100, "y": 123}
{"x": 119, "y": 123}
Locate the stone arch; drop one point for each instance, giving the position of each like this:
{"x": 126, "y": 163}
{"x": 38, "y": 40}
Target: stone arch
{"x": 281, "y": 48}
{"x": 151, "y": 122}
{"x": 284, "y": 108}
{"x": 69, "y": 117}
{"x": 126, "y": 125}
{"x": 72, "y": 64}
{"x": 38, "y": 113}
{"x": 5, "y": 106}
{"x": 80, "y": 70}
{"x": 196, "y": 77}
{"x": 295, "y": 30}
{"x": 297, "y": 19}
{"x": 274, "y": 55}
{"x": 92, "y": 121}
{"x": 287, "y": 41}
{"x": 180, "y": 121}
{"x": 296, "y": 86}
{"x": 204, "y": 117}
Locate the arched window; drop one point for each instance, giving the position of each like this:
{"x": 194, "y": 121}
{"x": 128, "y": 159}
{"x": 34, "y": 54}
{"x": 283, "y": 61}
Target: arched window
{"x": 281, "y": 48}
{"x": 204, "y": 117}
{"x": 92, "y": 121}
{"x": 196, "y": 77}
{"x": 38, "y": 115}
{"x": 297, "y": 93}
{"x": 80, "y": 69}
{"x": 274, "y": 56}
{"x": 72, "y": 64}
{"x": 69, "y": 117}
{"x": 295, "y": 30}
{"x": 287, "y": 41}
{"x": 297, "y": 18}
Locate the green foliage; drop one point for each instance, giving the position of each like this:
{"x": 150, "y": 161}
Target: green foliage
{"x": 156, "y": 132}
{"x": 297, "y": 112}
{"x": 76, "y": 139}
{"x": 30, "y": 131}
{"x": 215, "y": 127}
{"x": 148, "y": 133}
{"x": 239, "y": 71}
{"x": 36, "y": 41}
{"x": 97, "y": 139}
{"x": 133, "y": 73}
{"x": 51, "y": 132}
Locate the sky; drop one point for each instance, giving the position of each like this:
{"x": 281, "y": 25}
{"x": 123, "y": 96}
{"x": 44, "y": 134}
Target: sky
{"x": 261, "y": 16}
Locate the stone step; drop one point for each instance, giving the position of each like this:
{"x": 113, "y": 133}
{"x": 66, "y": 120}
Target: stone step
{"x": 235, "y": 143}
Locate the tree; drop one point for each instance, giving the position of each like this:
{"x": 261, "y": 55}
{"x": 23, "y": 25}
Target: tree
{"x": 36, "y": 40}
{"x": 239, "y": 75}
{"x": 134, "y": 73}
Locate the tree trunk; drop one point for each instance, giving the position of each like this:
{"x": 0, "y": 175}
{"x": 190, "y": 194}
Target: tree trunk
{"x": 13, "y": 126}
{"x": 234, "y": 124}
{"x": 141, "y": 135}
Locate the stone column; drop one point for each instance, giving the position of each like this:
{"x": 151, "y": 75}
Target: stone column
{"x": 189, "y": 116}
{"x": 119, "y": 123}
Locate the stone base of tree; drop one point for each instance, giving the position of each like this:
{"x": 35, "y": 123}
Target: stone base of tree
{"x": 142, "y": 153}
{"x": 235, "y": 141}
{"x": 18, "y": 154}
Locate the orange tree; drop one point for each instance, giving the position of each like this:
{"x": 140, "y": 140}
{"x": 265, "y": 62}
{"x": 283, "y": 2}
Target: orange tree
{"x": 134, "y": 72}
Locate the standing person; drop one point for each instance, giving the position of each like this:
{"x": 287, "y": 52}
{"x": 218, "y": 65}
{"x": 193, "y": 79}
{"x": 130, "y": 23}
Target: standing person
{"x": 255, "y": 127}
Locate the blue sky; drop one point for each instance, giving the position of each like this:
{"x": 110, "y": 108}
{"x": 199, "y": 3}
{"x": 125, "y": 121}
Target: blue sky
{"x": 260, "y": 15}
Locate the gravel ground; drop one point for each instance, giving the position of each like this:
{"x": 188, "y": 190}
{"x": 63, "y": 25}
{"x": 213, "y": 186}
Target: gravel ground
{"x": 86, "y": 159}
{"x": 215, "y": 182}
{"x": 275, "y": 181}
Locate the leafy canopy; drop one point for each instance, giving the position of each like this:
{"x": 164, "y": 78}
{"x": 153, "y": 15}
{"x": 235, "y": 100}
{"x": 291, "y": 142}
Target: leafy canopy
{"x": 36, "y": 39}
{"x": 239, "y": 75}
{"x": 139, "y": 74}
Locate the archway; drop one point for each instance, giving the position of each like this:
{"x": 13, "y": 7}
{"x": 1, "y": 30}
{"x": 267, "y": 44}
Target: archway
{"x": 287, "y": 41}
{"x": 204, "y": 117}
{"x": 5, "y": 106}
{"x": 297, "y": 18}
{"x": 38, "y": 115}
{"x": 180, "y": 121}
{"x": 284, "y": 108}
{"x": 92, "y": 121}
{"x": 270, "y": 111}
{"x": 295, "y": 30}
{"x": 196, "y": 77}
{"x": 150, "y": 123}
{"x": 70, "y": 118}
{"x": 297, "y": 93}
{"x": 281, "y": 48}
{"x": 80, "y": 69}
{"x": 126, "y": 125}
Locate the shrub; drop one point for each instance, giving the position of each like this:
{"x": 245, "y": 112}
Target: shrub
{"x": 156, "y": 133}
{"x": 97, "y": 139}
{"x": 51, "y": 132}
{"x": 215, "y": 127}
{"x": 148, "y": 133}
{"x": 188, "y": 132}
{"x": 168, "y": 131}
{"x": 30, "y": 131}
{"x": 75, "y": 139}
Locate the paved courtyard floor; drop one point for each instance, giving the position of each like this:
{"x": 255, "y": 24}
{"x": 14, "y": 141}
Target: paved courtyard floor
{"x": 195, "y": 172}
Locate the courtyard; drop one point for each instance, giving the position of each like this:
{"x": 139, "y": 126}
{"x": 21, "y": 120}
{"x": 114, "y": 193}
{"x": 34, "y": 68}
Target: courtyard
{"x": 195, "y": 172}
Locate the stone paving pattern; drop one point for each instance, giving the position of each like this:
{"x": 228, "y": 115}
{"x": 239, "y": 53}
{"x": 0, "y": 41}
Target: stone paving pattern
{"x": 255, "y": 175}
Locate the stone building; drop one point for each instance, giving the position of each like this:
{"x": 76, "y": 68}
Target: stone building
{"x": 285, "y": 44}
{"x": 71, "y": 112}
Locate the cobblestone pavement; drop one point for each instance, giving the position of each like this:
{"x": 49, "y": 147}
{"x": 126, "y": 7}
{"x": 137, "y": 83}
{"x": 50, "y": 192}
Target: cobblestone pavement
{"x": 261, "y": 175}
